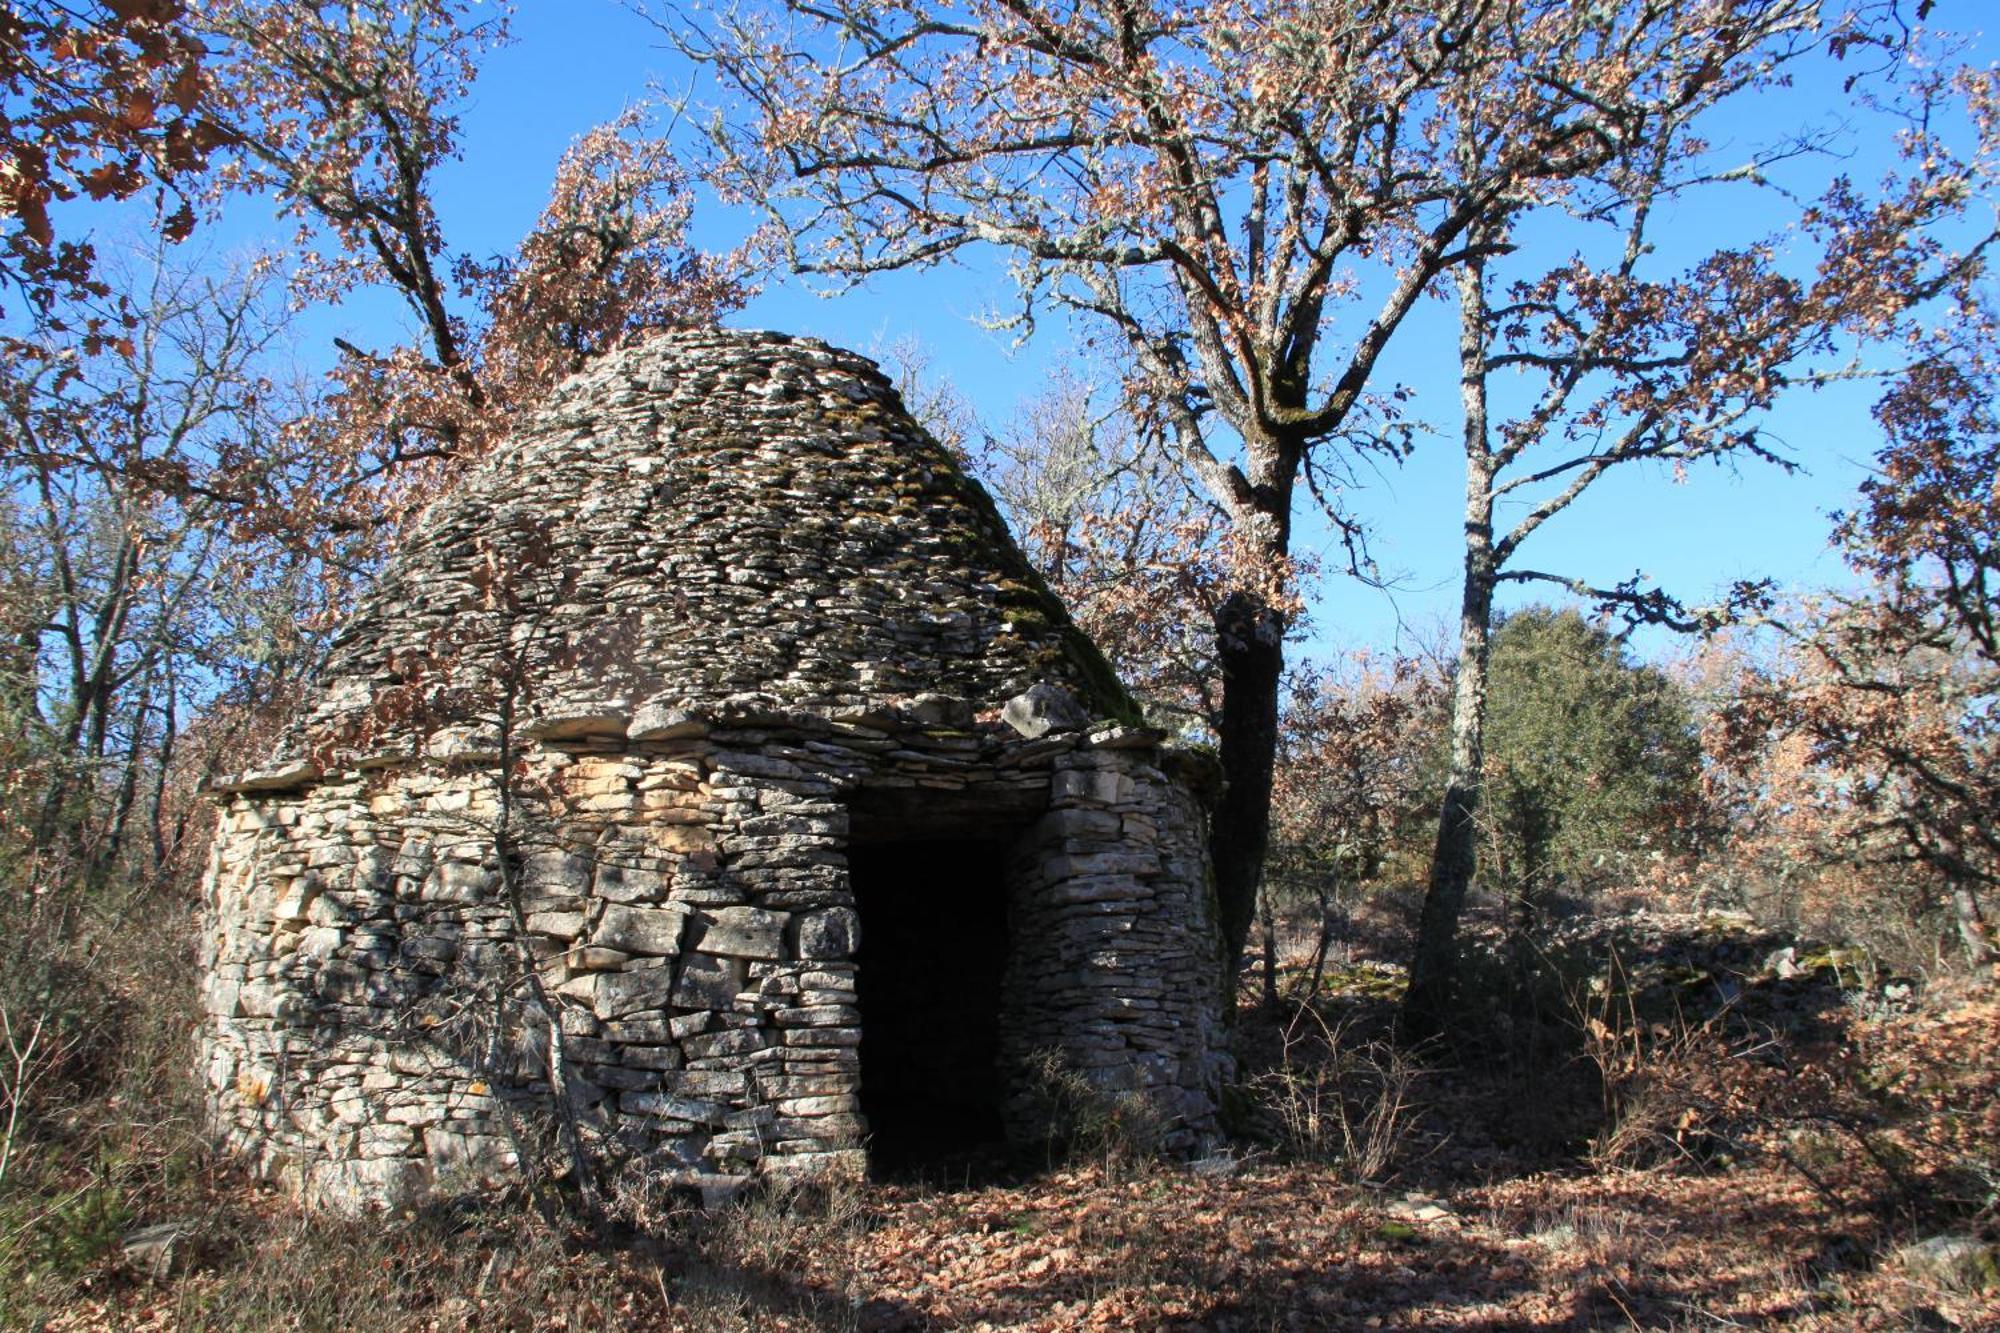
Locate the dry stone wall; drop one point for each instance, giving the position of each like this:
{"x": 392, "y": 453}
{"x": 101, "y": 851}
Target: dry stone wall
{"x": 570, "y": 824}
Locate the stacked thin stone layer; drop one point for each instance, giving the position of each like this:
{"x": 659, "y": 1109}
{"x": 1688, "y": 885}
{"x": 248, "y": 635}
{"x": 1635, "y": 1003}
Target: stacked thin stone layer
{"x": 709, "y": 515}
{"x": 592, "y": 752}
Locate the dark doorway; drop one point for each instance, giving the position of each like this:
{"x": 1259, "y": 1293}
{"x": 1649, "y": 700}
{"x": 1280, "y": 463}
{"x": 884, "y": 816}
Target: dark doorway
{"x": 933, "y": 948}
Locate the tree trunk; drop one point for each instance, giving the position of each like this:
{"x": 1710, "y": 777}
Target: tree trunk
{"x": 162, "y": 769}
{"x": 1433, "y": 971}
{"x": 1250, "y": 638}
{"x": 1324, "y": 944}
{"x": 1434, "y": 968}
{"x": 1270, "y": 923}
{"x": 1973, "y": 931}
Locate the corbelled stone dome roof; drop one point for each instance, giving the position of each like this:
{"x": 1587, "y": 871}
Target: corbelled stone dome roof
{"x": 712, "y": 518}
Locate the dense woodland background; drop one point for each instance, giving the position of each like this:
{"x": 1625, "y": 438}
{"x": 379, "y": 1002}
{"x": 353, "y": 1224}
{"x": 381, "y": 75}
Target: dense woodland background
{"x": 1579, "y": 989}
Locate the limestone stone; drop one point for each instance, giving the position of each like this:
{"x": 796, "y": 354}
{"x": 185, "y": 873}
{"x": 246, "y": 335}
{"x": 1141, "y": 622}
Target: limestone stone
{"x": 468, "y": 1157}
{"x": 641, "y": 930}
{"x": 664, "y": 720}
{"x": 639, "y": 1032}
{"x": 707, "y": 982}
{"x": 616, "y": 994}
{"x": 832, "y": 933}
{"x": 557, "y": 873}
{"x": 712, "y": 1045}
{"x": 743, "y": 932}
{"x": 1043, "y": 708}
{"x": 676, "y": 1108}
{"x": 728, "y": 1085}
{"x": 162, "y": 1251}
{"x": 629, "y": 884}
{"x": 1957, "y": 1263}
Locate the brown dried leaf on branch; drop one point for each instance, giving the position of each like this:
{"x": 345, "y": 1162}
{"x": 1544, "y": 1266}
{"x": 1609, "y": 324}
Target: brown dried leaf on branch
{"x": 345, "y": 113}
{"x": 101, "y": 101}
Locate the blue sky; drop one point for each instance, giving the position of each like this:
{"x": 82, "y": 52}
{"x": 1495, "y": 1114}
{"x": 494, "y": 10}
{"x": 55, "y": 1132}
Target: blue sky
{"x": 575, "y": 63}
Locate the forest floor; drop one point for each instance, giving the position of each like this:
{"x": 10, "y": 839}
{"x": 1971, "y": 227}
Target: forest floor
{"x": 1694, "y": 1129}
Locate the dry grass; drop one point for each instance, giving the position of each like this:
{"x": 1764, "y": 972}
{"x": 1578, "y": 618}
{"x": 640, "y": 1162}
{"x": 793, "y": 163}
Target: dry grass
{"x": 1757, "y": 1167}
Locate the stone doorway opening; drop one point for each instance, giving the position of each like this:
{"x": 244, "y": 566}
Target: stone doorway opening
{"x": 929, "y": 972}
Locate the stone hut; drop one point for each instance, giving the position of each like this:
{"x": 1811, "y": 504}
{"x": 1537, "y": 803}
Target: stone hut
{"x": 710, "y": 773}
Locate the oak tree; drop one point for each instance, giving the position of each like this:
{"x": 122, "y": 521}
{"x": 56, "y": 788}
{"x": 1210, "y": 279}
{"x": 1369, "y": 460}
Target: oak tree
{"x": 1247, "y": 199}
{"x": 1874, "y": 740}
{"x": 131, "y": 600}
{"x": 1596, "y": 366}
{"x": 1356, "y": 786}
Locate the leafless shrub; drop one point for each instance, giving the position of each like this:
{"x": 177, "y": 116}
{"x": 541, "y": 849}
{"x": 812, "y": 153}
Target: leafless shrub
{"x": 1663, "y": 1083}
{"x": 1119, "y": 1131}
{"x": 1337, "y": 1099}
{"x": 96, "y": 1110}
